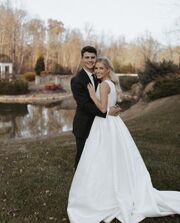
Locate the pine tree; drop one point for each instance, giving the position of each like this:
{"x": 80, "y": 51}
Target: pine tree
{"x": 40, "y": 66}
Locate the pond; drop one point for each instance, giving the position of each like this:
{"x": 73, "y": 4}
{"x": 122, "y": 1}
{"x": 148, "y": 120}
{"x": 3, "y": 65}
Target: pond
{"x": 28, "y": 121}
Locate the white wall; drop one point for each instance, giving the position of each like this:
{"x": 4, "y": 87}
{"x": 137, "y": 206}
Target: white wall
{"x": 3, "y": 65}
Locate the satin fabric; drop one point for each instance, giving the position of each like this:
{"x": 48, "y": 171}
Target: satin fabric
{"x": 112, "y": 181}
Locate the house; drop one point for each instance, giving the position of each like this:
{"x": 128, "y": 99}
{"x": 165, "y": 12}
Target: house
{"x": 6, "y": 66}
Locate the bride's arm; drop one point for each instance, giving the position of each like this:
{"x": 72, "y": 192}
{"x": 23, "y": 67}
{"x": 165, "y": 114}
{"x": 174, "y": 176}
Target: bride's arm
{"x": 104, "y": 91}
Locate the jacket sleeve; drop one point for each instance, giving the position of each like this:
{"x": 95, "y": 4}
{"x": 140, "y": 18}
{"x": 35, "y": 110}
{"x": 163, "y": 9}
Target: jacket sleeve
{"x": 83, "y": 100}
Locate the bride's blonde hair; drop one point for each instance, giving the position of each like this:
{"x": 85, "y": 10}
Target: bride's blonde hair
{"x": 108, "y": 64}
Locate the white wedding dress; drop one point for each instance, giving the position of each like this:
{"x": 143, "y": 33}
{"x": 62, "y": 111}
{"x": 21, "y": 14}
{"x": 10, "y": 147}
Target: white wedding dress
{"x": 111, "y": 180}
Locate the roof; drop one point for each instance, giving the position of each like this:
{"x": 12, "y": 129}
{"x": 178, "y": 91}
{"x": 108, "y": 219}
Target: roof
{"x": 5, "y": 59}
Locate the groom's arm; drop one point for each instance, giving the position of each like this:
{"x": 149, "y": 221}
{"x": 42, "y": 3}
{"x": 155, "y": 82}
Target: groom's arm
{"x": 83, "y": 100}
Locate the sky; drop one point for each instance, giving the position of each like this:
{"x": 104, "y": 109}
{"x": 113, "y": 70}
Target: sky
{"x": 131, "y": 18}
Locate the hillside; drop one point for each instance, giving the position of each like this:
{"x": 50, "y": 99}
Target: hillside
{"x": 155, "y": 126}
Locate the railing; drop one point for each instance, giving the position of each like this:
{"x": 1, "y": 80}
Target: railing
{"x": 127, "y": 75}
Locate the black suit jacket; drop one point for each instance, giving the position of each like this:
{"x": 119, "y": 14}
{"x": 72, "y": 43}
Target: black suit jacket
{"x": 86, "y": 109}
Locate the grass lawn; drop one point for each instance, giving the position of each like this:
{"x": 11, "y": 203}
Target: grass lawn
{"x": 35, "y": 175}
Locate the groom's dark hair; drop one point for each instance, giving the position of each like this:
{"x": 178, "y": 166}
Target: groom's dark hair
{"x": 89, "y": 49}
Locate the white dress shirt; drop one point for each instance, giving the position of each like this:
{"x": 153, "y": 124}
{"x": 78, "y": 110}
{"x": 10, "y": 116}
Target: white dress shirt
{"x": 90, "y": 76}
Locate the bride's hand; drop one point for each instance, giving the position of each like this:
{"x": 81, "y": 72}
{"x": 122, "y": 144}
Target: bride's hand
{"x": 91, "y": 90}
{"x": 115, "y": 110}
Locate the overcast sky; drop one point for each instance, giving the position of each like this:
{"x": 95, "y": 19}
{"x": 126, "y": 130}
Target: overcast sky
{"x": 130, "y": 18}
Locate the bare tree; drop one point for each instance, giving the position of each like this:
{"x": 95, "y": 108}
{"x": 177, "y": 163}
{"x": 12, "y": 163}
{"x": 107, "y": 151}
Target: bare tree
{"x": 35, "y": 31}
{"x": 11, "y": 33}
{"x": 149, "y": 47}
{"x": 71, "y": 50}
{"x": 55, "y": 29}
{"x": 116, "y": 51}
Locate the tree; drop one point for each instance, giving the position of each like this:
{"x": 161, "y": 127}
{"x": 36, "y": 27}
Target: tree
{"x": 149, "y": 47}
{"x": 40, "y": 66}
{"x": 71, "y": 50}
{"x": 35, "y": 31}
{"x": 116, "y": 52}
{"x": 12, "y": 34}
{"x": 54, "y": 31}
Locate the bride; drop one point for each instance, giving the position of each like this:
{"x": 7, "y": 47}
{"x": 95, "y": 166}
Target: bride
{"x": 111, "y": 180}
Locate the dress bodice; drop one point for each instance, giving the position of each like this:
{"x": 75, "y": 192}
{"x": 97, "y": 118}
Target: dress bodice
{"x": 112, "y": 96}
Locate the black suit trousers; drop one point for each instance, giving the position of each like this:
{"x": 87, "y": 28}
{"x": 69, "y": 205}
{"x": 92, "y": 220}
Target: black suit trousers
{"x": 80, "y": 142}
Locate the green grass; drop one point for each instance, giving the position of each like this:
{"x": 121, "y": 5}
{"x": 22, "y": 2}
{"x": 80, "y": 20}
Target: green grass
{"x": 35, "y": 179}
{"x": 35, "y": 175}
{"x": 157, "y": 135}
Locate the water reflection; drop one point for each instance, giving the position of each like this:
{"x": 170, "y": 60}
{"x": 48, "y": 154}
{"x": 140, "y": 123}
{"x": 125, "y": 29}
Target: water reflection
{"x": 22, "y": 121}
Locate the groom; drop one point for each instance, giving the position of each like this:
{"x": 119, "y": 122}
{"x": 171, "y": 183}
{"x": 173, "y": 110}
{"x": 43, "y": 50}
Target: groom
{"x": 86, "y": 109}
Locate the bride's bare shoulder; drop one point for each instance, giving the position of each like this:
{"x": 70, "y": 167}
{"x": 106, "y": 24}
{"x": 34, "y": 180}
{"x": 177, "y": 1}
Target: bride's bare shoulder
{"x": 104, "y": 86}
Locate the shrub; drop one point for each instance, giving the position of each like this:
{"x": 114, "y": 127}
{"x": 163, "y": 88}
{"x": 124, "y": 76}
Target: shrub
{"x": 164, "y": 87}
{"x": 40, "y": 65}
{"x": 61, "y": 70}
{"x": 44, "y": 73}
{"x": 29, "y": 76}
{"x": 125, "y": 69}
{"x": 117, "y": 66}
{"x": 14, "y": 87}
{"x": 52, "y": 87}
{"x": 127, "y": 81}
{"x": 153, "y": 70}
{"x": 128, "y": 69}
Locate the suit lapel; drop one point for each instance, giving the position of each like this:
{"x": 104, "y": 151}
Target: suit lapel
{"x": 86, "y": 78}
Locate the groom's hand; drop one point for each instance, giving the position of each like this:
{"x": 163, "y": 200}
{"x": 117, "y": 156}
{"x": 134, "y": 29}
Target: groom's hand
{"x": 114, "y": 110}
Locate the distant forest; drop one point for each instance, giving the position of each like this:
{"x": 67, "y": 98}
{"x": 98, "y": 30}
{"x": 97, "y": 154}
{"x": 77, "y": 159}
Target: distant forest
{"x": 25, "y": 39}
